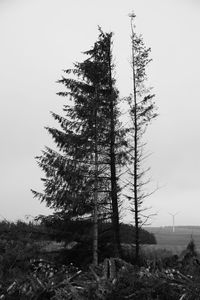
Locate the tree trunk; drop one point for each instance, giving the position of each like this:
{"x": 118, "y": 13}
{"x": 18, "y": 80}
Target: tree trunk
{"x": 114, "y": 197}
{"x": 95, "y": 211}
{"x": 135, "y": 183}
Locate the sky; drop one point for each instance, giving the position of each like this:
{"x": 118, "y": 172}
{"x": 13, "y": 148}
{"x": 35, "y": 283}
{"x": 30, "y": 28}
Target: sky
{"x": 40, "y": 38}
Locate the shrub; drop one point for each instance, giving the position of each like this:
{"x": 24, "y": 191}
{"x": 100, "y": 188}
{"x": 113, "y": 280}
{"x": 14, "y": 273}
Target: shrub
{"x": 15, "y": 258}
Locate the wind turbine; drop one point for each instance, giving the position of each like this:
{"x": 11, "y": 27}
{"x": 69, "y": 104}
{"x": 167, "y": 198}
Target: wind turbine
{"x": 173, "y": 220}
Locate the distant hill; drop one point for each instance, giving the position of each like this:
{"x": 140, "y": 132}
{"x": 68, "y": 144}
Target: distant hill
{"x": 180, "y": 227}
{"x": 182, "y": 235}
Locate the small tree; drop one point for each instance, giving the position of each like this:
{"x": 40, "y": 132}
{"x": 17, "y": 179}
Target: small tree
{"x": 191, "y": 247}
{"x": 142, "y": 111}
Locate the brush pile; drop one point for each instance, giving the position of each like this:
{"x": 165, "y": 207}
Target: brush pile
{"x": 113, "y": 279}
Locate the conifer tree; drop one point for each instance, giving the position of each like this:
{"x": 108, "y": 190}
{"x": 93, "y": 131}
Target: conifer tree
{"x": 81, "y": 176}
{"x": 142, "y": 112}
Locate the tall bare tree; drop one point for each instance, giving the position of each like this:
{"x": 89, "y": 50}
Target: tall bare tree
{"x": 142, "y": 111}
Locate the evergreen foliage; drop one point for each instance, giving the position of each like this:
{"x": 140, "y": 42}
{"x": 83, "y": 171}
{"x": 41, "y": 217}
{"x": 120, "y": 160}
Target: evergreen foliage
{"x": 81, "y": 230}
{"x": 69, "y": 182}
{"x": 82, "y": 175}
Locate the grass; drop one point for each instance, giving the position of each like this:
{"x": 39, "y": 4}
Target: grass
{"x": 172, "y": 242}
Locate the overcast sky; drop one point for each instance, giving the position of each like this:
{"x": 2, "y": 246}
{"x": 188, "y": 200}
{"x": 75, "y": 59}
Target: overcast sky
{"x": 39, "y": 38}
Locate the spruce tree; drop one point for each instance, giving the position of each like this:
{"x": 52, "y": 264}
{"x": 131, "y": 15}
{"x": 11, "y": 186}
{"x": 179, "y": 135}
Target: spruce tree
{"x": 81, "y": 176}
{"x": 142, "y": 112}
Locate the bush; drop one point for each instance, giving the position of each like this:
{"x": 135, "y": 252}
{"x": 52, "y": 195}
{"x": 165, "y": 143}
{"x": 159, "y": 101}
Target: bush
{"x": 15, "y": 258}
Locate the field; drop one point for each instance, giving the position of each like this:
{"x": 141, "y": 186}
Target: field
{"x": 175, "y": 241}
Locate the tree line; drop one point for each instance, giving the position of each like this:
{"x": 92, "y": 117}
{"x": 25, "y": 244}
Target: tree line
{"x": 95, "y": 149}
